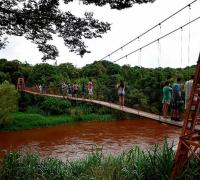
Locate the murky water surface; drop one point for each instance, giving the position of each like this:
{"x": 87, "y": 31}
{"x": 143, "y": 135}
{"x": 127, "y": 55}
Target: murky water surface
{"x": 76, "y": 140}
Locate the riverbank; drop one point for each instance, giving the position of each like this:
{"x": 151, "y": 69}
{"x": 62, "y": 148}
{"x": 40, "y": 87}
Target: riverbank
{"x": 135, "y": 164}
{"x": 23, "y": 120}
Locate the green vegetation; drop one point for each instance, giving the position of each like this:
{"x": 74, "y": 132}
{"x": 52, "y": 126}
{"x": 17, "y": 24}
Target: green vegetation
{"x": 137, "y": 164}
{"x": 143, "y": 85}
{"x": 39, "y": 111}
{"x": 28, "y": 120}
{"x": 8, "y": 102}
{"x": 143, "y": 90}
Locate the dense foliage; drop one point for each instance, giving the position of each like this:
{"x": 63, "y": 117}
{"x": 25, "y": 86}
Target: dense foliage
{"x": 8, "y": 102}
{"x": 143, "y": 90}
{"x": 154, "y": 164}
{"x": 39, "y": 20}
{"x": 55, "y": 106}
{"x": 116, "y": 4}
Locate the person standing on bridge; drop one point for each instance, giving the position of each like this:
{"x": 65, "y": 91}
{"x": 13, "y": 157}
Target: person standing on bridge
{"x": 166, "y": 99}
{"x": 40, "y": 88}
{"x": 76, "y": 87}
{"x": 84, "y": 89}
{"x": 90, "y": 88}
{"x": 70, "y": 90}
{"x": 188, "y": 88}
{"x": 176, "y": 100}
{"x": 63, "y": 89}
{"x": 121, "y": 92}
{"x": 44, "y": 88}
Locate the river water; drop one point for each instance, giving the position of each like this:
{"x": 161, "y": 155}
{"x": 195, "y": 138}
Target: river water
{"x": 73, "y": 141}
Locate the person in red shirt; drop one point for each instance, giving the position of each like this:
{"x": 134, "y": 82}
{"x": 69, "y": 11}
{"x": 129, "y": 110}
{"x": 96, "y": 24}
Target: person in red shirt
{"x": 90, "y": 88}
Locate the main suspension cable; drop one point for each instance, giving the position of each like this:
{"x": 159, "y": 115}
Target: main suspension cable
{"x": 157, "y": 39}
{"x": 148, "y": 30}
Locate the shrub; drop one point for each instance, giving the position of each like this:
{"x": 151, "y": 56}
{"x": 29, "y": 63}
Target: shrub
{"x": 26, "y": 100}
{"x": 34, "y": 110}
{"x": 52, "y": 105}
{"x": 9, "y": 101}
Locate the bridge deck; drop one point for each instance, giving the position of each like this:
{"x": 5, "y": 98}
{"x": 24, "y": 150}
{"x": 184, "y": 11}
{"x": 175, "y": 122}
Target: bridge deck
{"x": 117, "y": 107}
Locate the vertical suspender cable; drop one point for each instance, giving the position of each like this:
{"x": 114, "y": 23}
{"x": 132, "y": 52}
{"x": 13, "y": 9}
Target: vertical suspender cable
{"x": 158, "y": 53}
{"x": 139, "y": 58}
{"x": 189, "y": 6}
{"x": 159, "y": 46}
{"x": 181, "y": 47}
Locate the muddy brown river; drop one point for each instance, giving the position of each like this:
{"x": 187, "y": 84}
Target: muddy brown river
{"x": 73, "y": 141}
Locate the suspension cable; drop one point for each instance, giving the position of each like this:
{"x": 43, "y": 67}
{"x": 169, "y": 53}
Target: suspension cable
{"x": 189, "y": 40}
{"x": 169, "y": 17}
{"x": 157, "y": 39}
{"x": 139, "y": 53}
{"x": 181, "y": 46}
{"x": 159, "y": 48}
{"x": 158, "y": 52}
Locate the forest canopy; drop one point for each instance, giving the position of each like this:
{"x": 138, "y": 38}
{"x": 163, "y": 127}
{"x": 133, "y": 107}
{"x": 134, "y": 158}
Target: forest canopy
{"x": 143, "y": 85}
{"x": 39, "y": 20}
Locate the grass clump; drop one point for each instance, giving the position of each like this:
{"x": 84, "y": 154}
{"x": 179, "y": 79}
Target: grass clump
{"x": 136, "y": 164}
{"x": 22, "y": 120}
{"x": 28, "y": 121}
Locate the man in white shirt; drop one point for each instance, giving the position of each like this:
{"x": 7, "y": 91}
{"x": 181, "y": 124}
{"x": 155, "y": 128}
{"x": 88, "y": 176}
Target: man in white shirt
{"x": 188, "y": 88}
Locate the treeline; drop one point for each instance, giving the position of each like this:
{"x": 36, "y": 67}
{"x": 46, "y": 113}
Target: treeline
{"x": 143, "y": 85}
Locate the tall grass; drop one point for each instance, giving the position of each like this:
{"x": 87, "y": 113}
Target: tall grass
{"x": 28, "y": 120}
{"x": 154, "y": 164}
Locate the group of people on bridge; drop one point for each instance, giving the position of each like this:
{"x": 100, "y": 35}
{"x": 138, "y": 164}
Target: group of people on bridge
{"x": 172, "y": 95}
{"x": 172, "y": 98}
{"x": 71, "y": 90}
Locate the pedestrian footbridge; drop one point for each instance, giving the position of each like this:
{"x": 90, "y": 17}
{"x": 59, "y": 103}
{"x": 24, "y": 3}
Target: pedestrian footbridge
{"x": 115, "y": 106}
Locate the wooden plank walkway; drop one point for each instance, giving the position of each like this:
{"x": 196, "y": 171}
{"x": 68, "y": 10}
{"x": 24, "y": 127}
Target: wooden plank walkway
{"x": 117, "y": 107}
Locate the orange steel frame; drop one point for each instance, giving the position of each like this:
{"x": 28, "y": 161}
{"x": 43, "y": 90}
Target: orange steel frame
{"x": 189, "y": 141}
{"x": 20, "y": 84}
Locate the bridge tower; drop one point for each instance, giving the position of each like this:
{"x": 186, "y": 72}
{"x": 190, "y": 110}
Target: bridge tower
{"x": 189, "y": 141}
{"x": 20, "y": 84}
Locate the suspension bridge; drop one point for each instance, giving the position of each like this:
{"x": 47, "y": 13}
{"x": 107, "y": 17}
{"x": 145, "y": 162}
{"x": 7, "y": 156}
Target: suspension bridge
{"x": 112, "y": 106}
{"x": 139, "y": 49}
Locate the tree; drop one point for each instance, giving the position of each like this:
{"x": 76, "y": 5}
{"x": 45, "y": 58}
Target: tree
{"x": 4, "y": 76}
{"x": 137, "y": 99}
{"x": 38, "y": 20}
{"x": 68, "y": 70}
{"x": 11, "y": 68}
{"x": 9, "y": 101}
{"x": 116, "y": 4}
{"x": 43, "y": 74}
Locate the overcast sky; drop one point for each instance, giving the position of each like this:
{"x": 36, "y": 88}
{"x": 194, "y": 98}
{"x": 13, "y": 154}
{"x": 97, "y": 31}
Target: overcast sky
{"x": 125, "y": 26}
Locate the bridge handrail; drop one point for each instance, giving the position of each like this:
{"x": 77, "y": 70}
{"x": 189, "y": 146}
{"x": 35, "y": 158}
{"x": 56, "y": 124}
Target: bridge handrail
{"x": 115, "y": 106}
